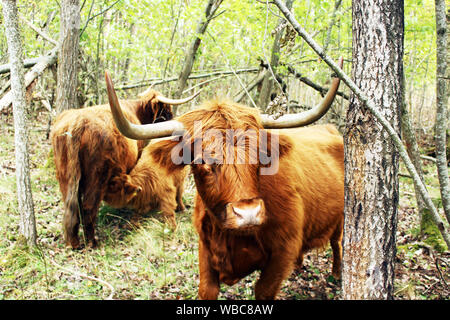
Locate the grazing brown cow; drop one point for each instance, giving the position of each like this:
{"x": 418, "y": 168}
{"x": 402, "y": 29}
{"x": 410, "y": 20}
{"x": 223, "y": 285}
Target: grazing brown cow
{"x": 255, "y": 215}
{"x": 89, "y": 150}
{"x": 149, "y": 186}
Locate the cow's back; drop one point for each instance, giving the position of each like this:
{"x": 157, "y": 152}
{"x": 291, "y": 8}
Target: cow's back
{"x": 89, "y": 136}
{"x": 310, "y": 180}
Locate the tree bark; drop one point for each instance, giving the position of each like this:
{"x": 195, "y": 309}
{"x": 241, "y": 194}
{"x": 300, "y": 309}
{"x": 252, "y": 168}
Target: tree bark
{"x": 27, "y": 226}
{"x": 371, "y": 161}
{"x": 441, "y": 124}
{"x": 66, "y": 92}
{"x": 210, "y": 11}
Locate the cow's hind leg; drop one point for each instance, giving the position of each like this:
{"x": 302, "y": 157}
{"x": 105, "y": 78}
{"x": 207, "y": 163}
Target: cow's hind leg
{"x": 89, "y": 220}
{"x": 71, "y": 220}
{"x": 71, "y": 224}
{"x": 336, "y": 246}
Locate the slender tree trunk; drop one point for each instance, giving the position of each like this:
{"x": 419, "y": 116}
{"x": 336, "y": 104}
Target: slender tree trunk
{"x": 210, "y": 11}
{"x": 413, "y": 152}
{"x": 126, "y": 67}
{"x": 337, "y": 4}
{"x": 371, "y": 165}
{"x": 27, "y": 226}
{"x": 268, "y": 81}
{"x": 441, "y": 126}
{"x": 66, "y": 93}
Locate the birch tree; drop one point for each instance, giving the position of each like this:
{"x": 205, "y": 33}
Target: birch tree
{"x": 441, "y": 126}
{"x": 27, "y": 226}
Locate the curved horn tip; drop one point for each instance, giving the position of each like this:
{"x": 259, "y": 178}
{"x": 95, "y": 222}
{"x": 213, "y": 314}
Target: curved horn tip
{"x": 177, "y": 101}
{"x": 341, "y": 61}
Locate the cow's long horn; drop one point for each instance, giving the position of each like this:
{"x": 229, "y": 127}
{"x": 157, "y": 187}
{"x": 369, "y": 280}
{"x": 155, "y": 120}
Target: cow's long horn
{"x": 175, "y": 102}
{"x": 306, "y": 117}
{"x": 133, "y": 131}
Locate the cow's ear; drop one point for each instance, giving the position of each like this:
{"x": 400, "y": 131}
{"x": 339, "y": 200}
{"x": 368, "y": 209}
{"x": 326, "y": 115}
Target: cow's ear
{"x": 273, "y": 142}
{"x": 116, "y": 183}
{"x": 171, "y": 154}
{"x": 131, "y": 189}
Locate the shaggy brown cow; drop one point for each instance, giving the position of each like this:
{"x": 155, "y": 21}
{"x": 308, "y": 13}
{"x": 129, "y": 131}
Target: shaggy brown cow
{"x": 256, "y": 215}
{"x": 149, "y": 186}
{"x": 89, "y": 151}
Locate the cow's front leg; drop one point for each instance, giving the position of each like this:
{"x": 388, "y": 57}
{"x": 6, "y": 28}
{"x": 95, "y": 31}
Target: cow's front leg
{"x": 278, "y": 268}
{"x": 209, "y": 279}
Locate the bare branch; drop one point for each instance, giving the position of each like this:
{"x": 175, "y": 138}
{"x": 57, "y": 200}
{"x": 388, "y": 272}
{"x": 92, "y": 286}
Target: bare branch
{"x": 96, "y": 15}
{"x": 39, "y": 31}
{"x": 157, "y": 81}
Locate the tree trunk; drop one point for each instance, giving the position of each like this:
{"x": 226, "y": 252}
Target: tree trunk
{"x": 268, "y": 81}
{"x": 441, "y": 125}
{"x": 210, "y": 11}
{"x": 371, "y": 165}
{"x": 27, "y": 226}
{"x": 69, "y": 36}
{"x": 337, "y": 4}
{"x": 413, "y": 152}
{"x": 126, "y": 66}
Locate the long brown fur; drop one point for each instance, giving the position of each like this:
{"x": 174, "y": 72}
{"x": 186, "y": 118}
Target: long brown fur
{"x": 149, "y": 186}
{"x": 89, "y": 150}
{"x": 303, "y": 202}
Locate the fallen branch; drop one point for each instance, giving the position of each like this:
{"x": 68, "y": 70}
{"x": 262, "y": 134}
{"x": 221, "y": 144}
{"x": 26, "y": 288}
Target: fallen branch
{"x": 35, "y": 72}
{"x": 157, "y": 81}
{"x": 83, "y": 275}
{"x": 436, "y": 259}
{"x": 250, "y": 87}
{"x": 370, "y": 105}
{"x": 28, "y": 63}
{"x": 428, "y": 158}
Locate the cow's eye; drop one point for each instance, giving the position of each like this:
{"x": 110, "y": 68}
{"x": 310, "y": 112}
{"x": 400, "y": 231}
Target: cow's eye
{"x": 209, "y": 168}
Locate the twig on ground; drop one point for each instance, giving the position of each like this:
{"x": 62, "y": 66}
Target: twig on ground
{"x": 83, "y": 275}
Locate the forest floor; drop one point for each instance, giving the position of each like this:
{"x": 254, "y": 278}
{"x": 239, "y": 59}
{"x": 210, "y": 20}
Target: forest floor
{"x": 140, "y": 258}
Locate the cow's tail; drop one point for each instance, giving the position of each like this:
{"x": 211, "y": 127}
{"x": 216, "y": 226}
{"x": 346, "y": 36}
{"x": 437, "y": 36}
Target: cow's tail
{"x": 73, "y": 202}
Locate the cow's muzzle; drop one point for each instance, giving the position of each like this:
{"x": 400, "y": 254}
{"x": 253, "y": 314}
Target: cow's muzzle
{"x": 245, "y": 213}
